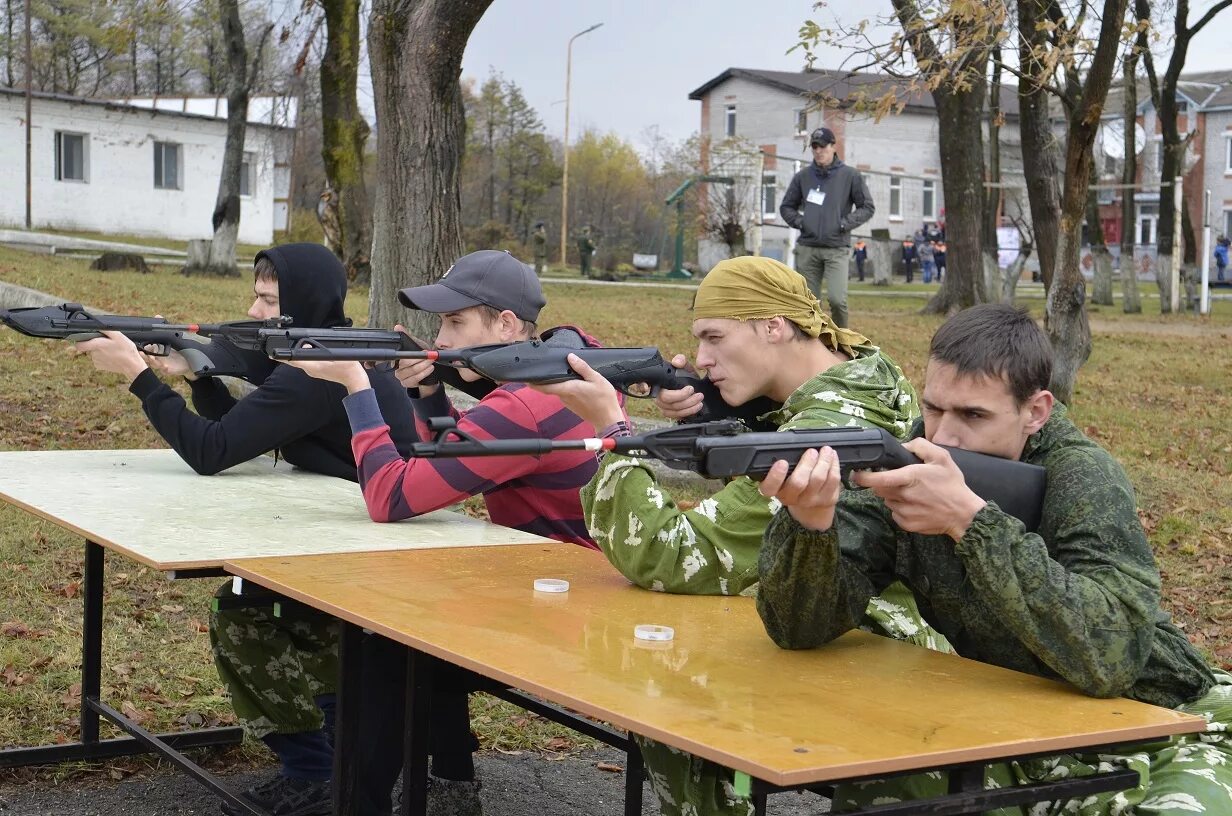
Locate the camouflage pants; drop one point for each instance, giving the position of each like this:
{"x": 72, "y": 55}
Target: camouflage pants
{"x": 1181, "y": 776}
{"x": 275, "y": 667}
{"x": 688, "y": 785}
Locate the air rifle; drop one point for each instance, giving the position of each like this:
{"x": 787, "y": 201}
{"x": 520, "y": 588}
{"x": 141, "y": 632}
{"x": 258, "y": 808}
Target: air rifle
{"x": 636, "y": 372}
{"x": 723, "y": 449}
{"x": 198, "y": 342}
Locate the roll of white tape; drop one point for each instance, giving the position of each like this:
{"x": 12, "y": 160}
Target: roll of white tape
{"x": 650, "y": 631}
{"x": 551, "y": 585}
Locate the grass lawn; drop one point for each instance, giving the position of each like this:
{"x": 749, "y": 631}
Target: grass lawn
{"x": 1156, "y": 391}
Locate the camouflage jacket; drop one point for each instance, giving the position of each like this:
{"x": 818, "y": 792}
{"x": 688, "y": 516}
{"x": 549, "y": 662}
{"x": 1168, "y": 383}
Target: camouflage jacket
{"x": 1079, "y": 601}
{"x": 712, "y": 549}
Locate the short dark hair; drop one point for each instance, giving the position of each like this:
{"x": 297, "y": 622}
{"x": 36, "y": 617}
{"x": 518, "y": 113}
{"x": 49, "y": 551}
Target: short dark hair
{"x": 1000, "y": 341}
{"x": 265, "y": 270}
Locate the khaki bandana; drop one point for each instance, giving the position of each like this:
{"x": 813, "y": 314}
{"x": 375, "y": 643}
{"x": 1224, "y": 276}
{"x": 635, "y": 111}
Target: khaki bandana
{"x": 753, "y": 288}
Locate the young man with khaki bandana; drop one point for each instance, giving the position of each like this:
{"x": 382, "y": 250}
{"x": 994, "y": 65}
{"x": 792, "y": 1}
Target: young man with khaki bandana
{"x": 761, "y": 332}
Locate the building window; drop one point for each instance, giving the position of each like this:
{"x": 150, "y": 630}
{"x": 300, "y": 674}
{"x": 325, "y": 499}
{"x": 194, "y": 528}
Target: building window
{"x": 1227, "y": 154}
{"x": 930, "y": 199}
{"x": 1159, "y": 157}
{"x": 801, "y": 120}
{"x": 1111, "y": 166}
{"x": 896, "y": 197}
{"x": 247, "y": 179}
{"x": 731, "y": 120}
{"x": 767, "y": 195}
{"x": 167, "y": 174}
{"x": 1148, "y": 215}
{"x": 1227, "y": 222}
{"x": 70, "y": 156}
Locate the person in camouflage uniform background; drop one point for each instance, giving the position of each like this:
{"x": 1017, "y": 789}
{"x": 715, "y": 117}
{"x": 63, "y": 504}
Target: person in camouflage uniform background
{"x": 1079, "y": 601}
{"x": 539, "y": 238}
{"x": 762, "y": 333}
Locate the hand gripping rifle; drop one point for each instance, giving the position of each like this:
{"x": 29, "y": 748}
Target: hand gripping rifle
{"x": 198, "y": 342}
{"x": 635, "y": 372}
{"x": 719, "y": 450}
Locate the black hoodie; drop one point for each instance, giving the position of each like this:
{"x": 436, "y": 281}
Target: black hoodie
{"x": 290, "y": 412}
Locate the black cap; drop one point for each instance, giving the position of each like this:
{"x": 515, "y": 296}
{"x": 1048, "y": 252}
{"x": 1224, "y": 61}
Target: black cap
{"x": 822, "y": 136}
{"x": 488, "y": 277}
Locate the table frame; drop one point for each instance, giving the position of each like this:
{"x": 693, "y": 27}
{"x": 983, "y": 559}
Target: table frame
{"x": 966, "y": 794}
{"x": 93, "y": 710}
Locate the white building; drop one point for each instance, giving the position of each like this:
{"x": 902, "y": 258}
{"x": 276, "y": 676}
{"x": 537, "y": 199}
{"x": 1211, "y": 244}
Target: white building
{"x": 142, "y": 166}
{"x": 758, "y": 123}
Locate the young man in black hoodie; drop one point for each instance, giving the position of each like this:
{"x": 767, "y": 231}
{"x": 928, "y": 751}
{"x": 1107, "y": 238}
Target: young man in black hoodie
{"x": 303, "y": 419}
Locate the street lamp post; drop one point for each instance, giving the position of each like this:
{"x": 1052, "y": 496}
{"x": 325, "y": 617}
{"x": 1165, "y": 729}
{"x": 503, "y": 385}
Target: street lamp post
{"x": 564, "y": 187}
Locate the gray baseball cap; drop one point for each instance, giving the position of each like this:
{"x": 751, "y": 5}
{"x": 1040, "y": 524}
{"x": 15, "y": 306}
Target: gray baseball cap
{"x": 488, "y": 277}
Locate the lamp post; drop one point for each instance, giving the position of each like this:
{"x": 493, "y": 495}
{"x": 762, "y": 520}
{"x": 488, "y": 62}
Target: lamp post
{"x": 564, "y": 188}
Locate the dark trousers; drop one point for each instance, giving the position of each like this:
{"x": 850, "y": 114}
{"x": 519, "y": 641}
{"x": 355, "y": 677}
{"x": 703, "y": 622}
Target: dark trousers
{"x": 383, "y": 723}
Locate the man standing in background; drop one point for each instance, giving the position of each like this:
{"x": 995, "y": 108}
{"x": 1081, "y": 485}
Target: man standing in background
{"x": 539, "y": 238}
{"x": 826, "y": 201}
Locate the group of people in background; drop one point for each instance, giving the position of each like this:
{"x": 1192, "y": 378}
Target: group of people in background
{"x": 926, "y": 249}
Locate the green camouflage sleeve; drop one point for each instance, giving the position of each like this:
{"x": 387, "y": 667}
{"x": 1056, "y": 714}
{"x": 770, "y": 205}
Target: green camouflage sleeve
{"x": 814, "y": 588}
{"x": 1084, "y": 603}
{"x": 709, "y": 550}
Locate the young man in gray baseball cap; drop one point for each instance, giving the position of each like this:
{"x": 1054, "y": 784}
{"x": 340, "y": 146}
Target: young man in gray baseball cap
{"x": 486, "y": 297}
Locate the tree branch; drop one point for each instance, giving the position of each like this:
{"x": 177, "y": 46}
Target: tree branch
{"x": 1206, "y": 18}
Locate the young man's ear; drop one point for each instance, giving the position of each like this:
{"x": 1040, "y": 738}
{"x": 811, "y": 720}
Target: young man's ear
{"x": 1037, "y": 409}
{"x": 510, "y": 326}
{"x": 778, "y": 330}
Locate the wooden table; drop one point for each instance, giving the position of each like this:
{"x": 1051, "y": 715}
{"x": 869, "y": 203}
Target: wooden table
{"x": 862, "y": 707}
{"x": 150, "y": 506}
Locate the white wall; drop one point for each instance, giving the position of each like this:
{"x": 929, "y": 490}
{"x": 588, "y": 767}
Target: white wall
{"x": 118, "y": 195}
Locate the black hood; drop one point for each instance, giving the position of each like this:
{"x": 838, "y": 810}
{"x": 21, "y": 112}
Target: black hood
{"x": 312, "y": 285}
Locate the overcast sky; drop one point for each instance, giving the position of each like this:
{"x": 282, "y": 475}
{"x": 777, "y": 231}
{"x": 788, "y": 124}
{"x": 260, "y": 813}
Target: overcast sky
{"x": 636, "y": 71}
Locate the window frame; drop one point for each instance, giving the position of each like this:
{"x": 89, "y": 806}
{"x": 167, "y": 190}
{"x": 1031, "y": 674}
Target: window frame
{"x": 801, "y": 121}
{"x": 160, "y": 168}
{"x": 894, "y": 210}
{"x": 729, "y": 122}
{"x": 769, "y": 186}
{"x": 85, "y": 156}
{"x": 248, "y": 177}
{"x": 928, "y": 189}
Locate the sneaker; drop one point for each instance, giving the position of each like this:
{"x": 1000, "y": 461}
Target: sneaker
{"x": 281, "y": 796}
{"x": 450, "y": 797}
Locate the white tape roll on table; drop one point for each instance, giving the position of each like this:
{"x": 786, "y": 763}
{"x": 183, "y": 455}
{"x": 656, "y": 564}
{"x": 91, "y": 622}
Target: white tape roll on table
{"x": 650, "y": 631}
{"x": 551, "y": 585}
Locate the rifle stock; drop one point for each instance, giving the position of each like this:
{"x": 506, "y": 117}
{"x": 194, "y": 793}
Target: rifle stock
{"x": 724, "y": 449}
{"x": 210, "y": 350}
{"x": 635, "y": 372}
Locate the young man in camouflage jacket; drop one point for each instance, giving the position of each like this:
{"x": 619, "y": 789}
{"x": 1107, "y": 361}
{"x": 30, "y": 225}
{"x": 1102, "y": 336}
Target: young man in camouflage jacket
{"x": 1078, "y": 601}
{"x": 760, "y": 332}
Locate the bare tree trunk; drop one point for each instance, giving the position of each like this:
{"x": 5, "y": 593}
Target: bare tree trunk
{"x": 416, "y": 52}
{"x": 1131, "y": 303}
{"x": 1009, "y": 287}
{"x": 1066, "y": 317}
{"x": 226, "y": 220}
{"x": 344, "y": 135}
{"x": 992, "y": 204}
{"x": 1040, "y": 152}
{"x": 1101, "y": 285}
{"x": 960, "y": 109}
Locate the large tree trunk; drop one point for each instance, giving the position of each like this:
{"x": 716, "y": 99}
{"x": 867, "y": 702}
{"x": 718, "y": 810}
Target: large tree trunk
{"x": 1066, "y": 317}
{"x": 1131, "y": 303}
{"x": 226, "y": 219}
{"x": 1040, "y": 152}
{"x": 1101, "y": 284}
{"x": 959, "y": 97}
{"x": 416, "y": 49}
{"x": 1013, "y": 273}
{"x": 344, "y": 135}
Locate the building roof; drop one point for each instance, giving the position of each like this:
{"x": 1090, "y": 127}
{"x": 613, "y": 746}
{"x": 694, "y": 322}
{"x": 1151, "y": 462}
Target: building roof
{"x": 843, "y": 85}
{"x": 267, "y": 111}
{"x": 1204, "y": 90}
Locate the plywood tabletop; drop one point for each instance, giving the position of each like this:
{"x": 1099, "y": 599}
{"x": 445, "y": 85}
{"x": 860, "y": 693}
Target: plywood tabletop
{"x": 863, "y": 705}
{"x": 151, "y": 506}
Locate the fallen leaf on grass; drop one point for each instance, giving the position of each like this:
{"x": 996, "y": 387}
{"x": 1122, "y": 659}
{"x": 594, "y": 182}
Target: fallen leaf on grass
{"x": 172, "y": 608}
{"x": 70, "y": 590}
{"x": 133, "y": 713}
{"x": 609, "y": 767}
{"x": 12, "y": 677}
{"x": 509, "y": 753}
{"x": 558, "y": 744}
{"x": 16, "y": 629}
{"x": 197, "y": 626}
